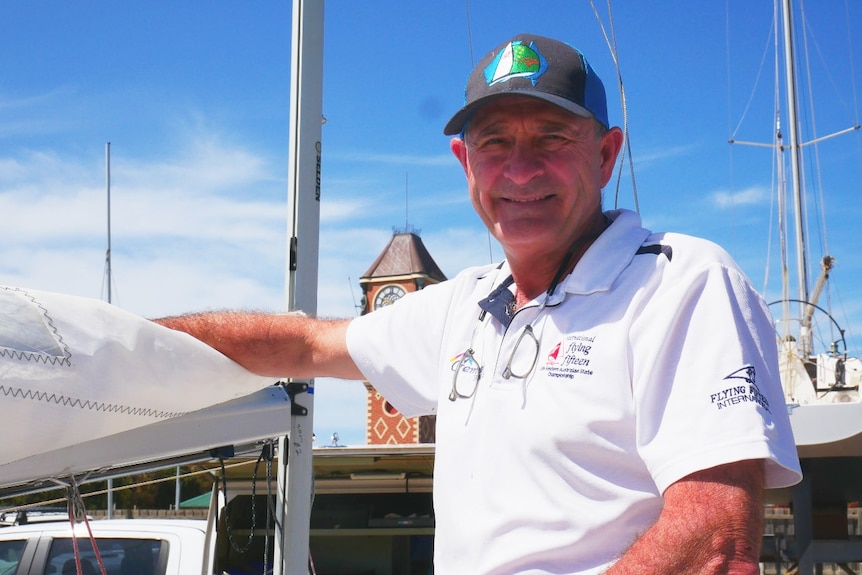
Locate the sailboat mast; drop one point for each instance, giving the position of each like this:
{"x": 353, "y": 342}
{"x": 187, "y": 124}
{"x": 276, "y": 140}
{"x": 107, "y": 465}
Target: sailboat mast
{"x": 795, "y": 150}
{"x": 293, "y": 506}
{"x": 108, "y": 186}
{"x": 110, "y": 486}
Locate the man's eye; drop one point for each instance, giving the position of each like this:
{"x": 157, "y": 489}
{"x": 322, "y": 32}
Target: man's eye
{"x": 491, "y": 142}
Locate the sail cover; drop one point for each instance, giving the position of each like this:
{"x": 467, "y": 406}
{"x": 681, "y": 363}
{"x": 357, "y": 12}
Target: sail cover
{"x": 76, "y": 370}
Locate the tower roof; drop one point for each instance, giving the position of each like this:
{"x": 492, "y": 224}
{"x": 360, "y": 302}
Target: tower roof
{"x": 405, "y": 256}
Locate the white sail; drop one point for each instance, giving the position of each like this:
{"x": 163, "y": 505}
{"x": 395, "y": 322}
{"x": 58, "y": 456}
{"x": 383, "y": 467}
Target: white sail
{"x": 76, "y": 370}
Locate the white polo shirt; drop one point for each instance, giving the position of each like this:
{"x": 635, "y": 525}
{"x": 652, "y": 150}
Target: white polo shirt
{"x": 657, "y": 358}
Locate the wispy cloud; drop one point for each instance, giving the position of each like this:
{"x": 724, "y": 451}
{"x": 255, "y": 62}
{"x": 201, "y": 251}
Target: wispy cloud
{"x": 32, "y": 115}
{"x": 752, "y": 195}
{"x": 400, "y": 159}
{"x": 650, "y": 157}
{"x": 14, "y": 102}
{"x": 209, "y": 166}
{"x": 203, "y": 227}
{"x": 340, "y": 210}
{"x": 200, "y": 226}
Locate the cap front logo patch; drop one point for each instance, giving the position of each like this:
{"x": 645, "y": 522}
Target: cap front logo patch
{"x": 516, "y": 61}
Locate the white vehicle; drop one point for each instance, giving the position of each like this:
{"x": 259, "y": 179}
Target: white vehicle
{"x": 372, "y": 513}
{"x": 126, "y": 547}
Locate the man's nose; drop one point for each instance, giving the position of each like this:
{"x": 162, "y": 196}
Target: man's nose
{"x": 523, "y": 164}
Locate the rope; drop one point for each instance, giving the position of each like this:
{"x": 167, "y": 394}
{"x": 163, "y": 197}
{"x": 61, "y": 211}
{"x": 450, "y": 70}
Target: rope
{"x": 267, "y": 454}
{"x": 241, "y": 550}
{"x": 72, "y": 513}
{"x": 77, "y": 514}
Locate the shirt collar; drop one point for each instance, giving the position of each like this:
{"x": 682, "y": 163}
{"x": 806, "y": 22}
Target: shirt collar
{"x": 606, "y": 259}
{"x": 600, "y": 265}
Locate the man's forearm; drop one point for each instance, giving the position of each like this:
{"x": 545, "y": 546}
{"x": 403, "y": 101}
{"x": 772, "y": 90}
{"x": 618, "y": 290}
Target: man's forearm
{"x": 712, "y": 524}
{"x": 278, "y": 345}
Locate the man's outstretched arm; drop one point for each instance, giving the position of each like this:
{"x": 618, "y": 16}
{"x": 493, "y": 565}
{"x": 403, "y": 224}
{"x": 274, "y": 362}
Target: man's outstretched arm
{"x": 278, "y": 345}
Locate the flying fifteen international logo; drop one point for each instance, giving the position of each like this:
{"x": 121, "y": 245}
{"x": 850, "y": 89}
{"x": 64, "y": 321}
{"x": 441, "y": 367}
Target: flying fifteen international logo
{"x": 742, "y": 389}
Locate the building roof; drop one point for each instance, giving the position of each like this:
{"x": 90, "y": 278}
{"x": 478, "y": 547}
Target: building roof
{"x": 405, "y": 256}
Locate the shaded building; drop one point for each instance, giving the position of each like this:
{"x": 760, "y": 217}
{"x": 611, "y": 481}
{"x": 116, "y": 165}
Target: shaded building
{"x": 404, "y": 266}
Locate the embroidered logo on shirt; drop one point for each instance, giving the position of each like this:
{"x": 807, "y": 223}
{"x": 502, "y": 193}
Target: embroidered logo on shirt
{"x": 516, "y": 61}
{"x": 570, "y": 357}
{"x": 743, "y": 389}
{"x": 467, "y": 364}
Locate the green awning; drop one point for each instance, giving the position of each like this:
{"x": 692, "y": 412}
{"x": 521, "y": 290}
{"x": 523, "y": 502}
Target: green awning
{"x": 202, "y": 500}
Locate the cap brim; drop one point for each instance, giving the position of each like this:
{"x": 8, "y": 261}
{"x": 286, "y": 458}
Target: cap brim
{"x": 463, "y": 116}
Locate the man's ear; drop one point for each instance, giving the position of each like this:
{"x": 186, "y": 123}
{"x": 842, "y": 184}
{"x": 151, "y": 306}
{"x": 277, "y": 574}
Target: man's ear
{"x": 459, "y": 149}
{"x": 610, "y": 146}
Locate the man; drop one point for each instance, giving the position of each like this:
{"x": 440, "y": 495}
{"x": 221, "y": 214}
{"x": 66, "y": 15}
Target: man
{"x": 607, "y": 398}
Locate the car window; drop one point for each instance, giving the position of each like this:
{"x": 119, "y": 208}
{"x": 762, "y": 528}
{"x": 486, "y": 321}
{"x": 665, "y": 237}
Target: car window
{"x": 120, "y": 557}
{"x": 10, "y": 555}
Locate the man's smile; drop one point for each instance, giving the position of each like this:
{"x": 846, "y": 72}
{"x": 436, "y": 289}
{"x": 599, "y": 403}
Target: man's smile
{"x": 528, "y": 200}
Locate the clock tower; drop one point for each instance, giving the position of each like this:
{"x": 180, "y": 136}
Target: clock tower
{"x": 404, "y": 266}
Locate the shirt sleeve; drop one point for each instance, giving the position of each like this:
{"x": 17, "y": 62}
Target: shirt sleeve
{"x": 397, "y": 348}
{"x": 707, "y": 390}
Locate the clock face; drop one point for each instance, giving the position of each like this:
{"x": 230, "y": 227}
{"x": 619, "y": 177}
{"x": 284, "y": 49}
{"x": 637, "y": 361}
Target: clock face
{"x": 388, "y": 295}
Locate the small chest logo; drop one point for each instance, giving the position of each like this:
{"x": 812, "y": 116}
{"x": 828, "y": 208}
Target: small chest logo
{"x": 570, "y": 357}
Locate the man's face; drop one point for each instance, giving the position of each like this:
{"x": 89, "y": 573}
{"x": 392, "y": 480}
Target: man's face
{"x": 536, "y": 172}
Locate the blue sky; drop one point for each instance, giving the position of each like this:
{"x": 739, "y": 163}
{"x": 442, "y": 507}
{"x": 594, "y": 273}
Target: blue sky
{"x": 194, "y": 100}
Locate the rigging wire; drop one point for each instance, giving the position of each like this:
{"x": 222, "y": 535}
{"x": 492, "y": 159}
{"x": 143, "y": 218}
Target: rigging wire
{"x": 779, "y": 179}
{"x": 473, "y": 65}
{"x": 811, "y": 174}
{"x": 832, "y": 291}
{"x": 469, "y": 33}
{"x": 816, "y": 174}
{"x": 611, "y": 42}
{"x": 109, "y": 284}
{"x": 729, "y": 100}
{"x": 766, "y": 50}
{"x": 776, "y": 218}
{"x": 770, "y": 46}
{"x": 852, "y": 65}
{"x": 857, "y": 344}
